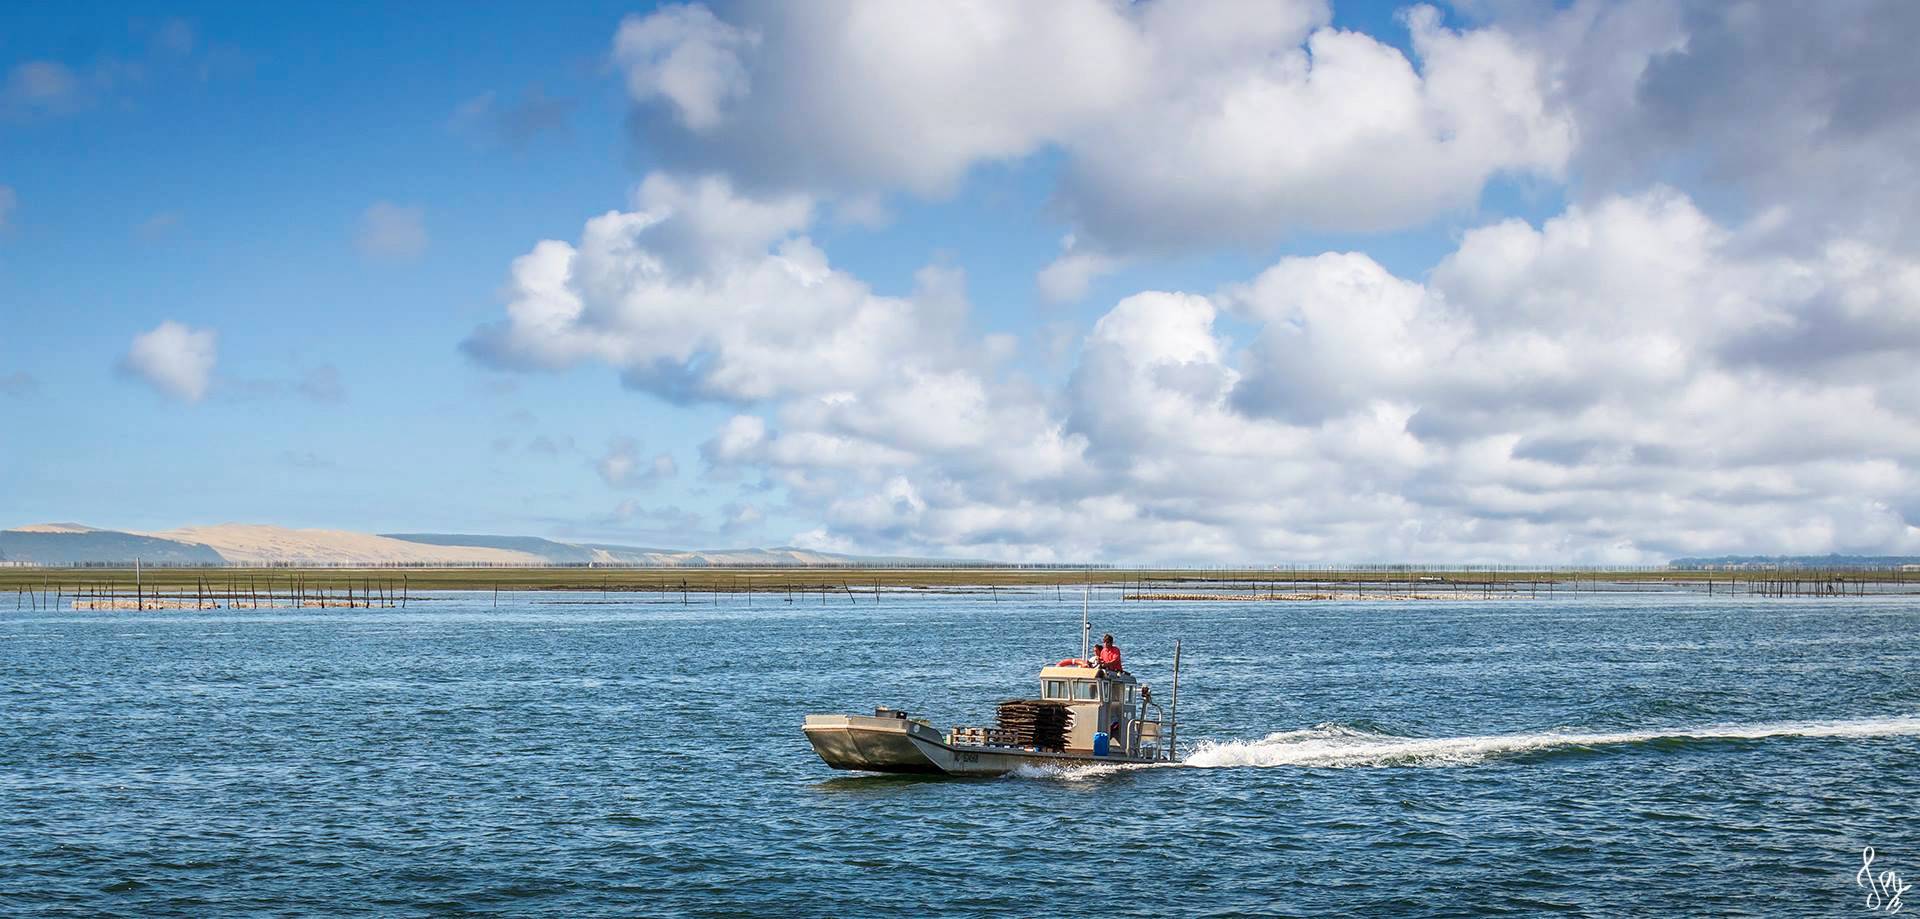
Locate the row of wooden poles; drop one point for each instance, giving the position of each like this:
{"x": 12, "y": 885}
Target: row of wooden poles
{"x": 1410, "y": 587}
{"x": 229, "y": 593}
{"x": 1415, "y": 585}
{"x": 790, "y": 593}
{"x": 258, "y": 592}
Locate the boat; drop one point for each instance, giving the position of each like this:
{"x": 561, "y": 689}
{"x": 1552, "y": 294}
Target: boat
{"x": 1084, "y": 715}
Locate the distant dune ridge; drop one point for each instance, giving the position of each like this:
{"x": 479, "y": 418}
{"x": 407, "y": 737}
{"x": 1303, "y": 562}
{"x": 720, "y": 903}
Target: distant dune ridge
{"x": 56, "y": 528}
{"x": 257, "y": 544}
{"x": 68, "y": 544}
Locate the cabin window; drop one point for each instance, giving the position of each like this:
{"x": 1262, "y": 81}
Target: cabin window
{"x": 1085, "y": 690}
{"x": 1055, "y": 689}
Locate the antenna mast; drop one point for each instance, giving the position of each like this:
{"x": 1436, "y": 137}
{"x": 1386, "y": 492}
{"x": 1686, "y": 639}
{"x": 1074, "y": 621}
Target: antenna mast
{"x": 1173, "y": 714}
{"x": 1085, "y": 629}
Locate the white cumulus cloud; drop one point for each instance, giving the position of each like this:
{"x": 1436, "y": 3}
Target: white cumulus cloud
{"x": 687, "y": 56}
{"x": 1067, "y": 277}
{"x": 1183, "y": 122}
{"x": 703, "y": 293}
{"x": 1799, "y": 114}
{"x": 173, "y": 358}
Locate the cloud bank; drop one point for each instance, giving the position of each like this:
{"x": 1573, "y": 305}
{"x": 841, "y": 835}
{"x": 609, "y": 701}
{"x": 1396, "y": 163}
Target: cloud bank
{"x": 1714, "y": 346}
{"x": 1622, "y": 382}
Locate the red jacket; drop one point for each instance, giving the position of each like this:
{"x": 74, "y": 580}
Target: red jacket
{"x": 1108, "y": 657}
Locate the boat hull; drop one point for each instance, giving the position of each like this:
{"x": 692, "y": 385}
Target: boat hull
{"x": 873, "y": 744}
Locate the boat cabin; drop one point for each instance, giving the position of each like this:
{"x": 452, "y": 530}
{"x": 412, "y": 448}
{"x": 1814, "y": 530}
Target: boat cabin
{"x": 1103, "y": 700}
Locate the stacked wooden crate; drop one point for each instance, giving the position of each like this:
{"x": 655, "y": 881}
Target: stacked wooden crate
{"x": 1035, "y": 723}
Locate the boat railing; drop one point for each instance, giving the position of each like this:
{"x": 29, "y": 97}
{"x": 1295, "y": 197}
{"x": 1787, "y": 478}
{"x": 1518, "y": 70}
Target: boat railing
{"x": 1145, "y": 729}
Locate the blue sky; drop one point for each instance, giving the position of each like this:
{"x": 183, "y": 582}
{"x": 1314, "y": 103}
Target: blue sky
{"x": 339, "y": 194}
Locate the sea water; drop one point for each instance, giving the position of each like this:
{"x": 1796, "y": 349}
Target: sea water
{"x": 571, "y": 755}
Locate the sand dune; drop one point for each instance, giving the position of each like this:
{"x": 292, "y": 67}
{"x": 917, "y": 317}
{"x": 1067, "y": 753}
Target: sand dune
{"x": 57, "y": 528}
{"x": 256, "y": 544}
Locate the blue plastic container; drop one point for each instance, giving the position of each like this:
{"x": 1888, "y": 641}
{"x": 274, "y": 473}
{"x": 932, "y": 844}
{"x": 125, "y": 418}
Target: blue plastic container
{"x": 1100, "y": 743}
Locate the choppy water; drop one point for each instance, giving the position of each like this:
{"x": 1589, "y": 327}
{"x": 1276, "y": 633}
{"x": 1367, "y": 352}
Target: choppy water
{"x": 563, "y": 756}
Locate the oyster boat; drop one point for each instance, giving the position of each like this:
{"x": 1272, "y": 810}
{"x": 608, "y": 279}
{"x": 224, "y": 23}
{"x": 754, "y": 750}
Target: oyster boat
{"x": 1084, "y": 715}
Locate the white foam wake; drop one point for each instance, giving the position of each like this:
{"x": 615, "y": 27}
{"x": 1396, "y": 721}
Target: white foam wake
{"x": 1332, "y": 745}
{"x": 1075, "y": 771}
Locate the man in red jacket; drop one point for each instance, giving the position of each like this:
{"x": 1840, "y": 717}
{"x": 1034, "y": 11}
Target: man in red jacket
{"x": 1106, "y": 655}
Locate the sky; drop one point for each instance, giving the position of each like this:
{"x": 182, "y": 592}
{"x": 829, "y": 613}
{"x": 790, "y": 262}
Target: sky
{"x": 1175, "y": 281}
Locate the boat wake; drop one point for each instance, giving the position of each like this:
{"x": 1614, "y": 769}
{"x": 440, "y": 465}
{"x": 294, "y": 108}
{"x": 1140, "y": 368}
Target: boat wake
{"x": 1338, "y": 746}
{"x": 1076, "y": 773}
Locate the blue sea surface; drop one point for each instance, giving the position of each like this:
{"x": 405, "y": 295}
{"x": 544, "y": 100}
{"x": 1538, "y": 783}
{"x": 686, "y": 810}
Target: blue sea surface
{"x": 566, "y": 755}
